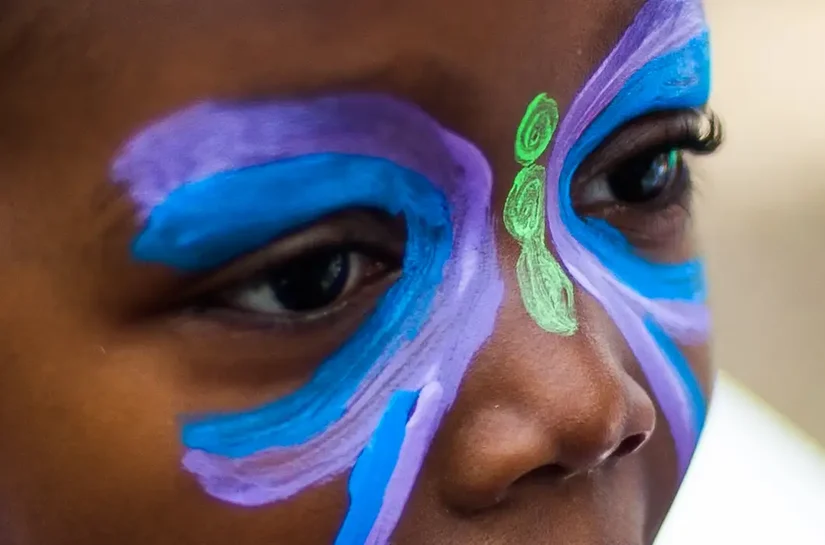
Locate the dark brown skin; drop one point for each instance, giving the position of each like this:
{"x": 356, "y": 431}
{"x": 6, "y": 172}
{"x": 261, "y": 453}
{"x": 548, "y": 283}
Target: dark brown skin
{"x": 95, "y": 366}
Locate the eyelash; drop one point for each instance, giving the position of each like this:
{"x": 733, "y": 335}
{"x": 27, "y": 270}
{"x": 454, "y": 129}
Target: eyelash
{"x": 656, "y": 222}
{"x": 362, "y": 264}
{"x": 358, "y": 259}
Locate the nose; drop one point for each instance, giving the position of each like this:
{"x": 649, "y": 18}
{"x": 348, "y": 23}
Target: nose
{"x": 541, "y": 408}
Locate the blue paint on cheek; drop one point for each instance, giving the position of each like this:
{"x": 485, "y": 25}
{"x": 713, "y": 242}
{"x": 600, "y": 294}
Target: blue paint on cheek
{"x": 678, "y": 80}
{"x": 209, "y": 222}
{"x": 374, "y": 468}
{"x": 680, "y": 363}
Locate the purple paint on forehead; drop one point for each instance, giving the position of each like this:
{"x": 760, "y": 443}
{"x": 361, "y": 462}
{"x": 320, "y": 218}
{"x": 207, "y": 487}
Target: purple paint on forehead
{"x": 662, "y": 26}
{"x": 213, "y": 137}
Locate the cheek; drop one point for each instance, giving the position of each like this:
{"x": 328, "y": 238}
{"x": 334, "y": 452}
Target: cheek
{"x": 92, "y": 431}
{"x": 97, "y": 450}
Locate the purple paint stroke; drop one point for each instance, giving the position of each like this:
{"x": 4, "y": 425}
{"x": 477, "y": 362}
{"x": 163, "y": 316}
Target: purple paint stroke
{"x": 660, "y": 27}
{"x": 419, "y": 433}
{"x": 436, "y": 398}
{"x": 212, "y": 137}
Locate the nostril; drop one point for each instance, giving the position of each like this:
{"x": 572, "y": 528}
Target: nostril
{"x": 630, "y": 445}
{"x": 546, "y": 473}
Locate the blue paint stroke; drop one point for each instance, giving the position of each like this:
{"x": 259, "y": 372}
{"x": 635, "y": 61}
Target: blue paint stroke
{"x": 680, "y": 363}
{"x": 374, "y": 468}
{"x": 677, "y": 80}
{"x": 206, "y": 223}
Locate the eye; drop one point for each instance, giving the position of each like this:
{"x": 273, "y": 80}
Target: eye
{"x": 639, "y": 182}
{"x": 313, "y": 272}
{"x": 307, "y": 285}
{"x": 641, "y": 179}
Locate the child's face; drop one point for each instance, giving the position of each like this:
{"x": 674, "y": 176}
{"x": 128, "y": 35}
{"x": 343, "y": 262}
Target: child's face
{"x": 248, "y": 245}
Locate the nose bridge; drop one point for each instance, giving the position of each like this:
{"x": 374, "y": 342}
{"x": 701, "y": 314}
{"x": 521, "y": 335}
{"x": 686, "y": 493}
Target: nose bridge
{"x": 534, "y": 401}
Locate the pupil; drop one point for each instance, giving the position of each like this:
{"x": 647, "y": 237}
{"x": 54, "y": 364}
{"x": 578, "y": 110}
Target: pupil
{"x": 644, "y": 177}
{"x": 312, "y": 282}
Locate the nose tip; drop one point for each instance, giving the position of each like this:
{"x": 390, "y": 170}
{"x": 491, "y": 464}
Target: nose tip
{"x": 616, "y": 426}
{"x": 508, "y": 446}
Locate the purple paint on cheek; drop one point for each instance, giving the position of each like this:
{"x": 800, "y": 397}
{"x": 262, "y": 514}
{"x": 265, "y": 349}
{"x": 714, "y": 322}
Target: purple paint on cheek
{"x": 419, "y": 433}
{"x": 476, "y": 282}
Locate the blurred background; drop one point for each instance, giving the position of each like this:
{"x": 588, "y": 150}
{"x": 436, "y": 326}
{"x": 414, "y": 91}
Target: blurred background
{"x": 756, "y": 478}
{"x": 761, "y": 204}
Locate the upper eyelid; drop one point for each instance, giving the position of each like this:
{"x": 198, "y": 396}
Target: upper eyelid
{"x": 339, "y": 228}
{"x": 638, "y": 135}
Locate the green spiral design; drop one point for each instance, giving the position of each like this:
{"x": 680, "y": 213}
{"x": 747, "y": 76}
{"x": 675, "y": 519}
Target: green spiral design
{"x": 546, "y": 289}
{"x": 523, "y": 212}
{"x": 536, "y": 129}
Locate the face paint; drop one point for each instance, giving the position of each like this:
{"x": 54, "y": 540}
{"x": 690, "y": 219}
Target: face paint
{"x": 208, "y": 183}
{"x": 546, "y": 290}
{"x": 222, "y": 179}
{"x": 661, "y": 63}
{"x": 536, "y": 129}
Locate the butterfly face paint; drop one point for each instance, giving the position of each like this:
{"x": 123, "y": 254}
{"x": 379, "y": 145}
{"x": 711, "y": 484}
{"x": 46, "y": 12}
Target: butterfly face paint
{"x": 661, "y": 63}
{"x": 222, "y": 179}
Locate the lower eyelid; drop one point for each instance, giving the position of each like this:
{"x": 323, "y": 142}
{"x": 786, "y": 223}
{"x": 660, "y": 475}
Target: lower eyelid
{"x": 370, "y": 288}
{"x": 650, "y": 232}
{"x": 244, "y": 321}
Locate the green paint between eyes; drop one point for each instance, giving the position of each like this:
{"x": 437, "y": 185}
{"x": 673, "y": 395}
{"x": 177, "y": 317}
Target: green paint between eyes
{"x": 546, "y": 289}
{"x": 536, "y": 129}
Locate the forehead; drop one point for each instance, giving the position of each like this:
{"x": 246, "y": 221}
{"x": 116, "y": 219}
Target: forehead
{"x": 305, "y": 12}
{"x": 105, "y": 69}
{"x": 294, "y": 45}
